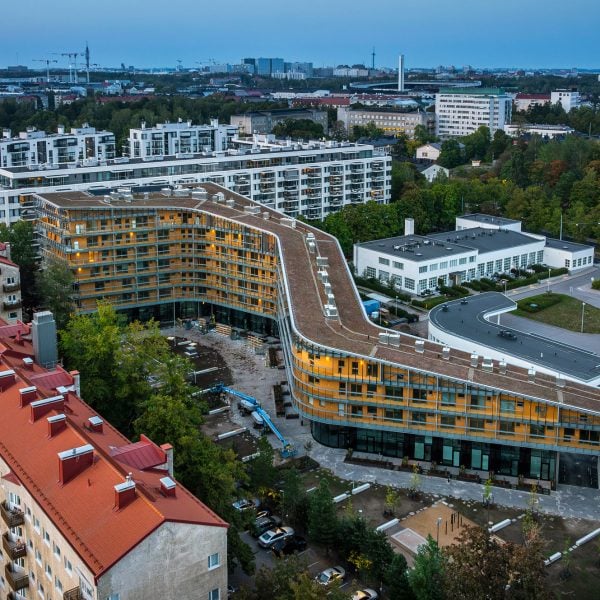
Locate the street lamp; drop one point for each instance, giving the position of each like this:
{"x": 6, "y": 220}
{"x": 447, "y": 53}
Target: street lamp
{"x": 582, "y": 314}
{"x": 439, "y": 522}
{"x": 549, "y": 271}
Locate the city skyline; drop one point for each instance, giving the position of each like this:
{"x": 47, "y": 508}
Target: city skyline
{"x": 327, "y": 34}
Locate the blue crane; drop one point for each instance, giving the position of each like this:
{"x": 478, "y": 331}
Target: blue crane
{"x": 250, "y": 404}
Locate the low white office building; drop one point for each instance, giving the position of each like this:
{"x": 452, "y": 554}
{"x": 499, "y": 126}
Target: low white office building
{"x": 545, "y": 131}
{"x": 481, "y": 246}
{"x": 460, "y": 112}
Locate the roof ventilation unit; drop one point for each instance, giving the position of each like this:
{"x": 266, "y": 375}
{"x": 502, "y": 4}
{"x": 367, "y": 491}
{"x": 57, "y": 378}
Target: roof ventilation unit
{"x": 322, "y": 261}
{"x": 420, "y": 346}
{"x": 394, "y": 339}
{"x": 230, "y": 202}
{"x": 531, "y": 375}
{"x": 384, "y": 338}
{"x": 474, "y": 359}
{"x": 560, "y": 381}
{"x": 331, "y": 311}
{"x": 446, "y": 353}
{"x": 199, "y": 194}
{"x": 502, "y": 367}
{"x": 487, "y": 364}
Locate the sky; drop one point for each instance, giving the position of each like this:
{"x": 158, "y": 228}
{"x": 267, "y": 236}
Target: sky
{"x": 145, "y": 33}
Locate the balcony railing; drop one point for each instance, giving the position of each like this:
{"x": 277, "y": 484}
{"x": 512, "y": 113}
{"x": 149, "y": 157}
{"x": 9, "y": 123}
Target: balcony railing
{"x": 12, "y": 305}
{"x": 15, "y": 596}
{"x": 13, "y": 549}
{"x": 17, "y": 578}
{"x": 73, "y": 594}
{"x": 11, "y": 287}
{"x": 12, "y": 517}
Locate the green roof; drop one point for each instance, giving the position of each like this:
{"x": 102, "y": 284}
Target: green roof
{"x": 474, "y": 90}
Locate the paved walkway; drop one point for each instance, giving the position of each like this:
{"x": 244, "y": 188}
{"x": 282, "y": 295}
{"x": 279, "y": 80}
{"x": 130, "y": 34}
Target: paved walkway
{"x": 567, "y": 501}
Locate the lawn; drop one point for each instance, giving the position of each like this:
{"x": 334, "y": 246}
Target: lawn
{"x": 561, "y": 311}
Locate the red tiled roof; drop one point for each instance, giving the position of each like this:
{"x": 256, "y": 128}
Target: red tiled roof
{"x": 141, "y": 455}
{"x": 10, "y": 476}
{"x": 10, "y": 331}
{"x": 5, "y": 261}
{"x": 521, "y": 96}
{"x": 50, "y": 380}
{"x": 83, "y": 509}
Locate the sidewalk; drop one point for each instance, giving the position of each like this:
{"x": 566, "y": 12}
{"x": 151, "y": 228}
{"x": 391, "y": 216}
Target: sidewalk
{"x": 567, "y": 502}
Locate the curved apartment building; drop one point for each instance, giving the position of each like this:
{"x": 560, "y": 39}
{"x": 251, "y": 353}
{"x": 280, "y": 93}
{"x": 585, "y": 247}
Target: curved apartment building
{"x": 207, "y": 251}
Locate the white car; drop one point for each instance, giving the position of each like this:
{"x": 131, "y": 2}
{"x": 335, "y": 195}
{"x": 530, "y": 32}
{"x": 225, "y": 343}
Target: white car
{"x": 366, "y": 594}
{"x": 267, "y": 539}
{"x": 328, "y": 576}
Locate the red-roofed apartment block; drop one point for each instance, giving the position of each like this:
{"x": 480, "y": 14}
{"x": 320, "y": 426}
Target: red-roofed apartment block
{"x": 84, "y": 512}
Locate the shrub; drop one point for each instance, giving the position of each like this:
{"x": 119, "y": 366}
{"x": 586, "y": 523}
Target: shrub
{"x": 541, "y": 302}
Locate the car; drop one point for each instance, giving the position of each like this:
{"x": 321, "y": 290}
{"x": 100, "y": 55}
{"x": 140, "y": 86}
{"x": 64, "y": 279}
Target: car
{"x": 244, "y": 504}
{"x": 366, "y": 594}
{"x": 263, "y": 524}
{"x": 267, "y": 539}
{"x": 328, "y": 576}
{"x": 509, "y": 335}
{"x": 296, "y": 543}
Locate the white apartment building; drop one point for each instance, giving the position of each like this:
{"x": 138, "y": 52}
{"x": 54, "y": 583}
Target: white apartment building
{"x": 386, "y": 118}
{"x": 568, "y": 99}
{"x": 179, "y": 139}
{"x": 300, "y": 179}
{"x": 481, "y": 246}
{"x": 34, "y": 148}
{"x": 460, "y": 112}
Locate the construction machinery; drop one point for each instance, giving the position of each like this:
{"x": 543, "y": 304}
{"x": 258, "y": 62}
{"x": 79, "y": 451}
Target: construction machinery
{"x": 249, "y": 404}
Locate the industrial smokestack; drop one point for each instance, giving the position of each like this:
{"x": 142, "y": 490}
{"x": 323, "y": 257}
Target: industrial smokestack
{"x": 401, "y": 73}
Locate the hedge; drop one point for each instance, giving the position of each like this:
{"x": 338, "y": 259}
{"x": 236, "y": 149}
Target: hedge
{"x": 539, "y": 302}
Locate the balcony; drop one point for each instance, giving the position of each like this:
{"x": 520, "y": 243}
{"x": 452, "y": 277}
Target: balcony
{"x": 73, "y": 594}
{"x": 16, "y": 577}
{"x": 13, "y": 305}
{"x": 12, "y": 517}
{"x": 14, "y": 549}
{"x": 11, "y": 287}
{"x": 15, "y": 596}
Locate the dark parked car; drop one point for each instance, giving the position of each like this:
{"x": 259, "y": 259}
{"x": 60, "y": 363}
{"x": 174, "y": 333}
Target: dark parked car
{"x": 509, "y": 335}
{"x": 263, "y": 524}
{"x": 296, "y": 543}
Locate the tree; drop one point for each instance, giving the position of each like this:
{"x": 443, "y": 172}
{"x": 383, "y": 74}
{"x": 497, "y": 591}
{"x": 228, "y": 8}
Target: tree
{"x": 396, "y": 580}
{"x": 54, "y": 287}
{"x": 477, "y": 567}
{"x": 426, "y": 578}
{"x": 20, "y": 236}
{"x": 293, "y": 500}
{"x": 415, "y": 481}
{"x": 262, "y": 473}
{"x": 451, "y": 154}
{"x": 322, "y": 516}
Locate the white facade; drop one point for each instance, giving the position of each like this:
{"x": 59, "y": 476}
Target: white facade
{"x": 461, "y": 112}
{"x": 429, "y": 151}
{"x": 181, "y": 138}
{"x": 311, "y": 179}
{"x": 547, "y": 131}
{"x": 569, "y": 99}
{"x": 33, "y": 148}
{"x": 434, "y": 171}
{"x": 481, "y": 246}
{"x": 10, "y": 280}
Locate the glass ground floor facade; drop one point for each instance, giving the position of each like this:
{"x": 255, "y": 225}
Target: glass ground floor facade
{"x": 510, "y": 460}
{"x": 169, "y": 313}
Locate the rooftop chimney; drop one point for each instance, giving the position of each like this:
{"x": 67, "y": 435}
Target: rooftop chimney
{"x": 95, "y": 424}
{"x": 27, "y": 395}
{"x": 474, "y": 359}
{"x": 502, "y": 367}
{"x": 56, "y": 423}
{"x": 39, "y": 408}
{"x": 409, "y": 226}
{"x": 446, "y": 353}
{"x": 531, "y": 375}
{"x": 28, "y": 363}
{"x": 76, "y": 381}
{"x": 420, "y": 346}
{"x": 7, "y": 378}
{"x": 74, "y": 461}
{"x": 125, "y": 493}
{"x": 168, "y": 450}
{"x": 43, "y": 331}
{"x": 168, "y": 487}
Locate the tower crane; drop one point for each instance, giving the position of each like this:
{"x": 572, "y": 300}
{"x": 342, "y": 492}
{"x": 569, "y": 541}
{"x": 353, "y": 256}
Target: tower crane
{"x": 47, "y": 61}
{"x": 72, "y": 64}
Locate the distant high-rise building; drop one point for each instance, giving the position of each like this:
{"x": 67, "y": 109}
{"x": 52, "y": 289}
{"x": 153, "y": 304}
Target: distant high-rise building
{"x": 401, "y": 73}
{"x": 462, "y": 111}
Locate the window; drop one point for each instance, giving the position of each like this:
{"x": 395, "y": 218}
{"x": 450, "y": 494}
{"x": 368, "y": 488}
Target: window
{"x": 48, "y": 571}
{"x": 354, "y": 367}
{"x": 419, "y": 417}
{"x": 213, "y": 561}
{"x": 68, "y": 566}
{"x": 409, "y": 284}
{"x": 447, "y": 421}
{"x": 38, "y": 557}
{"x": 384, "y": 261}
{"x": 398, "y": 265}
{"x": 370, "y": 272}
{"x": 214, "y": 594}
{"x": 423, "y": 269}
{"x": 384, "y": 275}
{"x": 355, "y": 389}
{"x": 567, "y": 263}
{"x": 46, "y": 537}
{"x": 36, "y": 524}
{"x": 393, "y": 414}
{"x": 507, "y": 427}
{"x": 58, "y": 585}
{"x": 56, "y": 551}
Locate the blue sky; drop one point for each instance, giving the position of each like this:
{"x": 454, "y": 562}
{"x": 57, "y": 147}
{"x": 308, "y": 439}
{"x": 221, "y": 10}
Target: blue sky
{"x": 528, "y": 33}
